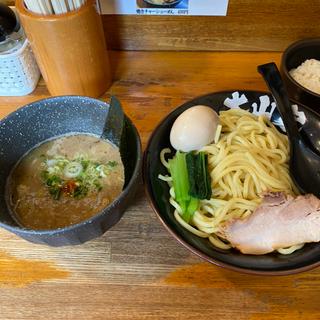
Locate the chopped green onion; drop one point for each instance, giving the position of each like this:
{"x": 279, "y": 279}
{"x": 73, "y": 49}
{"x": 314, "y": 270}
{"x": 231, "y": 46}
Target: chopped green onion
{"x": 112, "y": 164}
{"x": 75, "y": 178}
{"x": 80, "y": 191}
{"x": 72, "y": 169}
{"x": 103, "y": 170}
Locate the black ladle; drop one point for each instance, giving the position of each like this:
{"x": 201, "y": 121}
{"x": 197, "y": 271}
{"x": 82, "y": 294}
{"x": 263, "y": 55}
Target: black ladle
{"x": 304, "y": 162}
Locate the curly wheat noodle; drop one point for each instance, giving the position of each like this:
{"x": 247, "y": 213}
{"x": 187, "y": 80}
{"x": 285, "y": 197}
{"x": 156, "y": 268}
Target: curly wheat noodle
{"x": 250, "y": 157}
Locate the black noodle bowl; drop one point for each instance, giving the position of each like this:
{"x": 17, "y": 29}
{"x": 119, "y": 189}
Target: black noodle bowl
{"x": 158, "y": 193}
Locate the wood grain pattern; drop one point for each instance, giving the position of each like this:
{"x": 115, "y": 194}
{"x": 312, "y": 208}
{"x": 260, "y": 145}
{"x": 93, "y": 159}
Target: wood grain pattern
{"x": 250, "y": 25}
{"x": 136, "y": 270}
{"x": 16, "y": 272}
{"x": 8, "y": 2}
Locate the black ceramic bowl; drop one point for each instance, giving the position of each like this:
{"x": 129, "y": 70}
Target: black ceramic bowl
{"x": 169, "y": 5}
{"x": 36, "y": 122}
{"x": 158, "y": 191}
{"x": 292, "y": 57}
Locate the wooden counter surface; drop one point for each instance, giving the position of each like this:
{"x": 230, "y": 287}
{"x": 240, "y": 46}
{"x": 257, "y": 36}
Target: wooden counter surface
{"x": 137, "y": 270}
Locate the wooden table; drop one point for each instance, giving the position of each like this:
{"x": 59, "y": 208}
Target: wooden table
{"x": 136, "y": 270}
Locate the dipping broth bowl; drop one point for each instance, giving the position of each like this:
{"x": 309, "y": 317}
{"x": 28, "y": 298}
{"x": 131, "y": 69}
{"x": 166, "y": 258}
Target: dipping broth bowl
{"x": 39, "y": 121}
{"x": 293, "y": 57}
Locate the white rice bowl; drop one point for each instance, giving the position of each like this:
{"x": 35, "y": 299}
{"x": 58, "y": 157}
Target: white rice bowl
{"x": 308, "y": 75}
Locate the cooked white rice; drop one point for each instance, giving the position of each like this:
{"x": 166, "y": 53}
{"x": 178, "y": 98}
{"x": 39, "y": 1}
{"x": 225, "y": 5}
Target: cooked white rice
{"x": 308, "y": 75}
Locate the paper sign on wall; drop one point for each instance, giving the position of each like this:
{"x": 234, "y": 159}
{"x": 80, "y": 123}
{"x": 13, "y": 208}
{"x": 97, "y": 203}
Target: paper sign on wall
{"x": 165, "y": 7}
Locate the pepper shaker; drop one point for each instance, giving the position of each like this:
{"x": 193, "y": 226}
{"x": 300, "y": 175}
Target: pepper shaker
{"x": 19, "y": 73}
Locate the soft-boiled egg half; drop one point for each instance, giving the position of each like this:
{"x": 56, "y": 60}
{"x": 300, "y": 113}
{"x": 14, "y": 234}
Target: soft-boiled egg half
{"x": 194, "y": 128}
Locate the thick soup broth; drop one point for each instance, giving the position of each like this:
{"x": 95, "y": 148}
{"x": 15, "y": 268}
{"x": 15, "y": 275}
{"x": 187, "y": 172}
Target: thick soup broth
{"x": 65, "y": 181}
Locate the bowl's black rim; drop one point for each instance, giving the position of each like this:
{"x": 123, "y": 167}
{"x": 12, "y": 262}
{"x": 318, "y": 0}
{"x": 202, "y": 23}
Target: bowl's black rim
{"x": 134, "y": 178}
{"x": 288, "y": 50}
{"x": 179, "y": 238}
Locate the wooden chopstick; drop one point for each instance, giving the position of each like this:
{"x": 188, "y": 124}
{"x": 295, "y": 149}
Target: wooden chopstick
{"x": 46, "y": 7}
{"x": 33, "y": 6}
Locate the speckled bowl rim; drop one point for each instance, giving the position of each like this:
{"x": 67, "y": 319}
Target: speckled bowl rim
{"x": 285, "y": 70}
{"x": 179, "y": 238}
{"x": 107, "y": 209}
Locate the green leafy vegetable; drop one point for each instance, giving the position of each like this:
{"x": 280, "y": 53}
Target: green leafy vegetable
{"x": 191, "y": 181}
{"x": 198, "y": 174}
{"x": 179, "y": 174}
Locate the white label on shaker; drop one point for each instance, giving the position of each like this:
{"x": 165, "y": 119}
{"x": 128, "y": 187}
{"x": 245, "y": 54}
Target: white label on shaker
{"x": 165, "y": 7}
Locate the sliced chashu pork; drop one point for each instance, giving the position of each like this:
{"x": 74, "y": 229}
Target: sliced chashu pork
{"x": 280, "y": 221}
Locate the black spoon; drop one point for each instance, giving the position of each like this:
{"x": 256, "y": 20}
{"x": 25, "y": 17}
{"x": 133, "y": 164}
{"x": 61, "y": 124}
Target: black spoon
{"x": 304, "y": 162}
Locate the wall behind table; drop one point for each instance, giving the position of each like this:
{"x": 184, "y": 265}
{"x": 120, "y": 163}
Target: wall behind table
{"x": 251, "y": 25}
